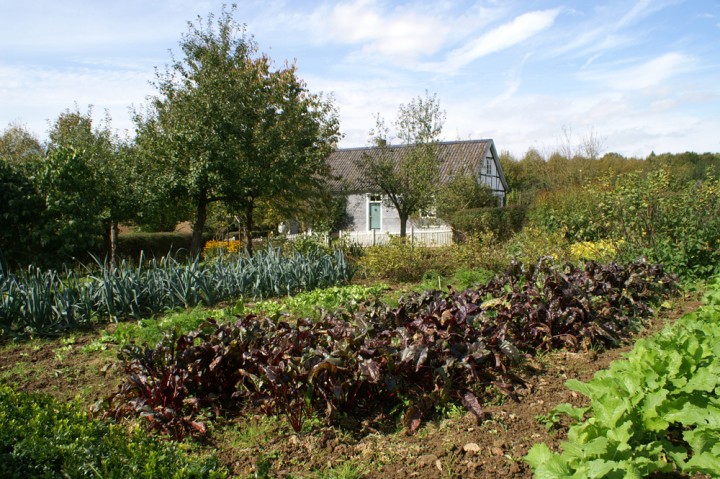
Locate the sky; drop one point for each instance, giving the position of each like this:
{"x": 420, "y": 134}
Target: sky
{"x": 633, "y": 75}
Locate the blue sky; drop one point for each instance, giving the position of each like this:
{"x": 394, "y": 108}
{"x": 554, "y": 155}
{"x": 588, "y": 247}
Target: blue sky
{"x": 637, "y": 75}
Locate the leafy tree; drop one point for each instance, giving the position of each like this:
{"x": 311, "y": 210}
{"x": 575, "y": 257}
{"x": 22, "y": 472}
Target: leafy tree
{"x": 406, "y": 176}
{"x": 111, "y": 169}
{"x": 18, "y": 145}
{"x": 687, "y": 166}
{"x": 71, "y": 227}
{"x": 21, "y": 213}
{"x": 226, "y": 126}
{"x": 463, "y": 192}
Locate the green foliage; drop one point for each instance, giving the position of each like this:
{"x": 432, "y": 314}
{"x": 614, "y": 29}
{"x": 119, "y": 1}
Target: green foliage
{"x": 668, "y": 221}
{"x": 151, "y": 330}
{"x": 533, "y": 243}
{"x": 400, "y": 261}
{"x": 570, "y": 209}
{"x": 18, "y": 146}
{"x": 460, "y": 279}
{"x": 312, "y": 304}
{"x": 115, "y": 195}
{"x": 657, "y": 410}
{"x": 43, "y": 438}
{"x": 687, "y": 166}
{"x": 503, "y": 222}
{"x": 461, "y": 193}
{"x": 21, "y": 213}
{"x": 44, "y": 302}
{"x": 71, "y": 225}
{"x": 226, "y": 126}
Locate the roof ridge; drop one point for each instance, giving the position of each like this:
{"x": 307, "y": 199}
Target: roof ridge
{"x": 449, "y": 142}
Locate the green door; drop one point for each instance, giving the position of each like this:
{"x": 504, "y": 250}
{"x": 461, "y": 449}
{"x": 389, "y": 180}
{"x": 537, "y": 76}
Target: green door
{"x": 375, "y": 216}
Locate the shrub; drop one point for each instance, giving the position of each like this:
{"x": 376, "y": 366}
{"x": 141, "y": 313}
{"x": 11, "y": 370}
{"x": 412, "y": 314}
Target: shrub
{"x": 572, "y": 210}
{"x": 480, "y": 250}
{"x": 670, "y": 222}
{"x": 41, "y": 437}
{"x": 501, "y": 222}
{"x": 533, "y": 243}
{"x": 603, "y": 251}
{"x": 402, "y": 261}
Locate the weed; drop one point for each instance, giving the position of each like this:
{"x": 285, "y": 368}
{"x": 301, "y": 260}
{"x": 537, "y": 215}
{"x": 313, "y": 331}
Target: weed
{"x": 252, "y": 432}
{"x": 346, "y": 470}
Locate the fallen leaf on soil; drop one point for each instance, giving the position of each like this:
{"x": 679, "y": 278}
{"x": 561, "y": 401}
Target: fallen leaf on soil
{"x": 471, "y": 403}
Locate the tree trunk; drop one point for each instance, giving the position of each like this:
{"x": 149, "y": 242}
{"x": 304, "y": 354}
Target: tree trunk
{"x": 110, "y": 232}
{"x": 114, "y": 230}
{"x": 248, "y": 226}
{"x": 403, "y": 225}
{"x": 198, "y": 226}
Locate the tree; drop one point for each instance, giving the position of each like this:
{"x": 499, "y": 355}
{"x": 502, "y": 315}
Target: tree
{"x": 227, "y": 127}
{"x": 406, "y": 176}
{"x": 110, "y": 168}
{"x": 463, "y": 192}
{"x": 21, "y": 213}
{"x": 71, "y": 226}
{"x": 18, "y": 145}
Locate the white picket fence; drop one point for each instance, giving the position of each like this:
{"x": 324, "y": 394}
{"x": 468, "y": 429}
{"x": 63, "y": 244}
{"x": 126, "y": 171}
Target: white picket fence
{"x": 435, "y": 237}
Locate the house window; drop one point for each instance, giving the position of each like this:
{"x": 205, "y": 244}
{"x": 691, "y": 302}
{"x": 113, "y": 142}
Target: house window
{"x": 374, "y": 212}
{"x": 488, "y": 166}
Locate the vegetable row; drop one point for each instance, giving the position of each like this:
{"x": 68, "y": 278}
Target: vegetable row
{"x": 656, "y": 411}
{"x": 47, "y": 302}
{"x": 379, "y": 361}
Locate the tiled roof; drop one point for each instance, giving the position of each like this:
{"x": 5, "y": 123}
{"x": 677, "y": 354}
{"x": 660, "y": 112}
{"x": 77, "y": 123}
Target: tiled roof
{"x": 454, "y": 157}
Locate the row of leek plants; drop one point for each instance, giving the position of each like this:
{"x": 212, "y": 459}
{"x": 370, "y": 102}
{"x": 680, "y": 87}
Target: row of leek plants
{"x": 39, "y": 302}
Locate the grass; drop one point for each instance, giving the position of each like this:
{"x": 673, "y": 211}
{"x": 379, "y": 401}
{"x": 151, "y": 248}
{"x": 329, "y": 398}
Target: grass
{"x": 252, "y": 431}
{"x": 460, "y": 280}
{"x": 346, "y": 470}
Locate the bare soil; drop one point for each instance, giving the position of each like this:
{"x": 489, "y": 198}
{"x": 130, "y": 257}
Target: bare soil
{"x": 458, "y": 446}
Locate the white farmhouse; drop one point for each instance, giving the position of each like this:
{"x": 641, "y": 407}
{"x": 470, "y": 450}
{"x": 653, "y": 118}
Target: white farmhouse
{"x": 370, "y": 216}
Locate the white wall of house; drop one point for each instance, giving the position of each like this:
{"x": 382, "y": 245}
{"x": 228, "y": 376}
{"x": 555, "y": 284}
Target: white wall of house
{"x": 358, "y": 208}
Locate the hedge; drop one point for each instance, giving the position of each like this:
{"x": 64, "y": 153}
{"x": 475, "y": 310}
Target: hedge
{"x": 503, "y": 222}
{"x": 154, "y": 244}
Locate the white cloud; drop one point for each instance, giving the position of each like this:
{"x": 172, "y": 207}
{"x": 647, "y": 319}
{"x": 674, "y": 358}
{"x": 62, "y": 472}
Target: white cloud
{"x": 403, "y": 32}
{"x": 638, "y": 10}
{"x": 650, "y": 74}
{"x": 505, "y": 36}
{"x": 41, "y": 94}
